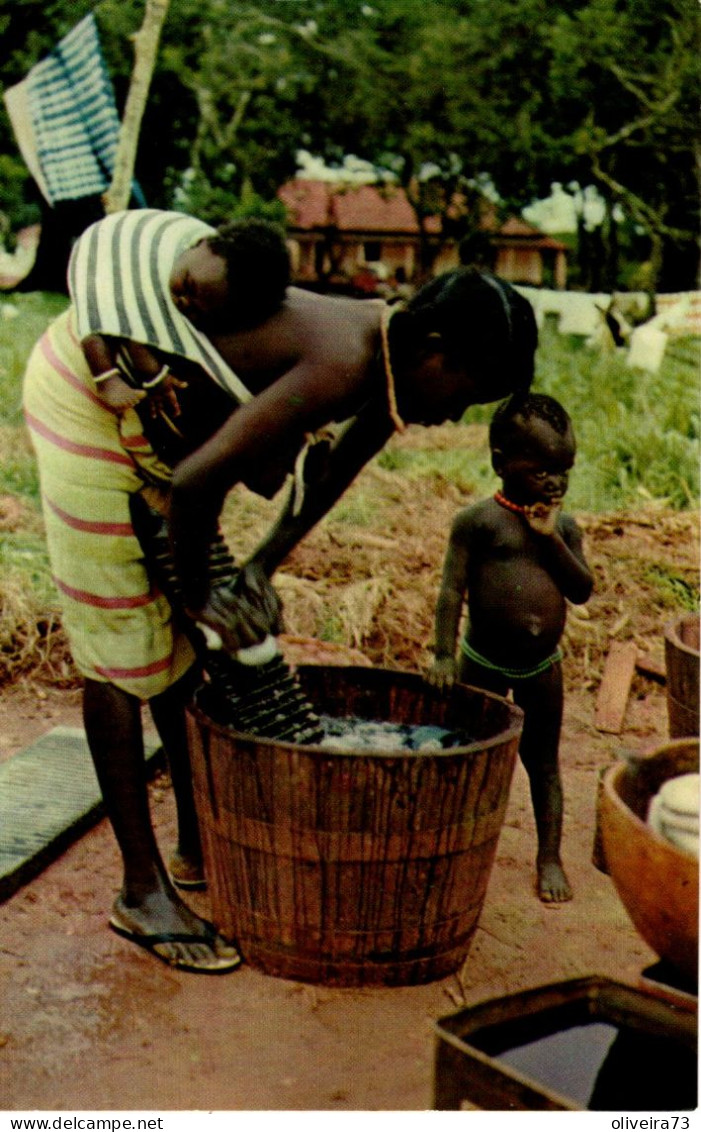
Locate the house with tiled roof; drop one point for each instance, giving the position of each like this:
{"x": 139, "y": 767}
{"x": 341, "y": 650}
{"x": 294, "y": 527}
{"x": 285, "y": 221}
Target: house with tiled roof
{"x": 340, "y": 231}
{"x": 357, "y": 235}
{"x": 523, "y": 254}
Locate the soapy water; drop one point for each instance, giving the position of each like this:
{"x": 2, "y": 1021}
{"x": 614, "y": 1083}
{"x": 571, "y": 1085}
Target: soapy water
{"x": 267, "y": 700}
{"x": 354, "y": 734}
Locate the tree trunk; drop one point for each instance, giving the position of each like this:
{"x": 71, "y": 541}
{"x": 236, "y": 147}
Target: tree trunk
{"x": 145, "y": 48}
{"x": 656, "y": 254}
{"x": 612, "y": 249}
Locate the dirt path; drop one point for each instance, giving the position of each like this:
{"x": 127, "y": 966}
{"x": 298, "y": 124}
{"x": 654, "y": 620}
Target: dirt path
{"x": 89, "y": 1022}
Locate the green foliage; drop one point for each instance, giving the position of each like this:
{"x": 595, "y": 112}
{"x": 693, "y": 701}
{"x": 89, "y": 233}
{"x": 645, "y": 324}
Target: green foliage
{"x": 519, "y": 90}
{"x": 624, "y": 77}
{"x": 15, "y": 208}
{"x": 216, "y": 203}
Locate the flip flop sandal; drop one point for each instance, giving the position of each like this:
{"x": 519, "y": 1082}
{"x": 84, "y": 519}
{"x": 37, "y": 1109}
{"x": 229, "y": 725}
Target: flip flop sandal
{"x": 150, "y": 942}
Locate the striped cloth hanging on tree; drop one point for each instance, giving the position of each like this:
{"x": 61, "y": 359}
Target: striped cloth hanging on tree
{"x": 74, "y": 116}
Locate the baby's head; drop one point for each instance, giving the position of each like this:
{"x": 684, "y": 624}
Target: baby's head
{"x": 533, "y": 448}
{"x": 234, "y": 279}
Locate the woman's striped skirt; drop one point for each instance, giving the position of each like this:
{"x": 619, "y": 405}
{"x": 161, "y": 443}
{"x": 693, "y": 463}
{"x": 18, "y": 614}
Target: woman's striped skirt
{"x": 91, "y": 461}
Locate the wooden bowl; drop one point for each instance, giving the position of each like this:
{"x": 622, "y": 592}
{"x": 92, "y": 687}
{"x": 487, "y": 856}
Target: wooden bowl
{"x": 657, "y": 882}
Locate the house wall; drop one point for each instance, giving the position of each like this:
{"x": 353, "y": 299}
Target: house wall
{"x": 520, "y": 265}
{"x": 447, "y": 259}
{"x": 303, "y": 258}
{"x": 310, "y": 259}
{"x": 560, "y": 271}
{"x": 349, "y": 256}
{"x": 358, "y": 252}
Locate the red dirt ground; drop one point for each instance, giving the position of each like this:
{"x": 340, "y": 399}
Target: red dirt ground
{"x": 90, "y": 1022}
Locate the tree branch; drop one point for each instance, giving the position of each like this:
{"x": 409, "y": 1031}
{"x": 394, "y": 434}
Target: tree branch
{"x": 145, "y": 49}
{"x": 642, "y": 212}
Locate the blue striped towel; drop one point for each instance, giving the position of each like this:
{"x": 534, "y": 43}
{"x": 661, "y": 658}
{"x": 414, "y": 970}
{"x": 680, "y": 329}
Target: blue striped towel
{"x": 74, "y": 116}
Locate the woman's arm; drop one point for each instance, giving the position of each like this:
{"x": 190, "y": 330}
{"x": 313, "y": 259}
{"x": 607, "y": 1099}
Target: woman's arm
{"x": 332, "y": 474}
{"x": 258, "y": 445}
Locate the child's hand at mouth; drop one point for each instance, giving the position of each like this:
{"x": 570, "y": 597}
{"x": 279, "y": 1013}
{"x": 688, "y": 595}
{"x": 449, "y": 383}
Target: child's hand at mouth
{"x": 542, "y": 517}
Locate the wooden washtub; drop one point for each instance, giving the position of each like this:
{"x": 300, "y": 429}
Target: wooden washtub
{"x": 355, "y": 868}
{"x": 657, "y": 881}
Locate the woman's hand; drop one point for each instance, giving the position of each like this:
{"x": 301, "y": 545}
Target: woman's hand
{"x": 255, "y": 584}
{"x": 243, "y": 612}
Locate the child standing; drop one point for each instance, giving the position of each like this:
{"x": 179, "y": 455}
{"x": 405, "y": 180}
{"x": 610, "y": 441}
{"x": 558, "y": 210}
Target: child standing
{"x": 517, "y": 558}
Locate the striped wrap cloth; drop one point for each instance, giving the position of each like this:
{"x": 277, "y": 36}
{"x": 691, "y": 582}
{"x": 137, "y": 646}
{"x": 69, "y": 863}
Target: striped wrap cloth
{"x": 118, "y": 278}
{"x": 119, "y": 625}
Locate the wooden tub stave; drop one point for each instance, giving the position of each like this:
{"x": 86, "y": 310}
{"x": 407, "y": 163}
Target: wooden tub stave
{"x": 681, "y": 642}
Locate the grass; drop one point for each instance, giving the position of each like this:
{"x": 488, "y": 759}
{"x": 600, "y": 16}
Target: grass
{"x": 23, "y": 319}
{"x": 672, "y": 591}
{"x": 28, "y": 606}
{"x": 637, "y": 432}
{"x": 468, "y": 468}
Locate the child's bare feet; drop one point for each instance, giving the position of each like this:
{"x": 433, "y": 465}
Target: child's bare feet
{"x": 553, "y": 885}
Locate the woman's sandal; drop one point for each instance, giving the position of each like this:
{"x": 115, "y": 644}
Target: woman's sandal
{"x": 222, "y": 965}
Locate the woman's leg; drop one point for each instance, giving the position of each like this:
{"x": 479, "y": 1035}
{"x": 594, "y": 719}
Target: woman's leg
{"x": 168, "y": 713}
{"x": 148, "y": 909}
{"x": 113, "y": 727}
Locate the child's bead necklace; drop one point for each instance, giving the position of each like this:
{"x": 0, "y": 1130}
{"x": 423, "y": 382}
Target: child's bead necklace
{"x": 504, "y": 502}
